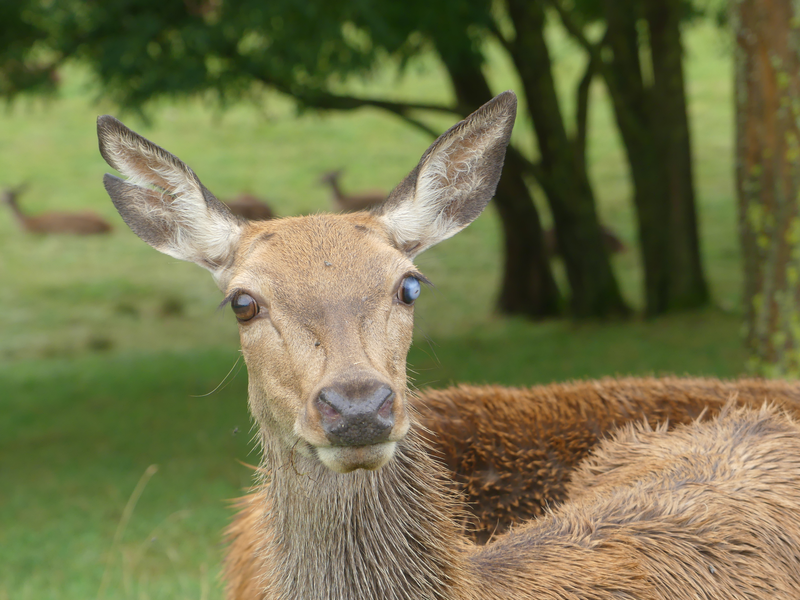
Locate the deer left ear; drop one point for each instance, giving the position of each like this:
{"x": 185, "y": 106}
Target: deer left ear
{"x": 454, "y": 180}
{"x": 163, "y": 201}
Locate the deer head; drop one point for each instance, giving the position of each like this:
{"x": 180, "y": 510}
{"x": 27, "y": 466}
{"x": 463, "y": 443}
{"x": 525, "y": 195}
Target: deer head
{"x": 325, "y": 303}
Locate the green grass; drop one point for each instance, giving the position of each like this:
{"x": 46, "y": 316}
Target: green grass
{"x": 108, "y": 348}
{"x": 79, "y": 433}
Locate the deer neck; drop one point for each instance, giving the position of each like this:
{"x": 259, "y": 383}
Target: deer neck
{"x": 12, "y": 203}
{"x": 337, "y": 191}
{"x": 390, "y": 533}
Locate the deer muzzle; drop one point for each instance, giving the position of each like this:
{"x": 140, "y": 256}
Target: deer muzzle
{"x": 356, "y": 414}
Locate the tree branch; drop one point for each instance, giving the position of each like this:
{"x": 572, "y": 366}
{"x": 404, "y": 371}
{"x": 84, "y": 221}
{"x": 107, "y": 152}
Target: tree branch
{"x": 577, "y": 32}
{"x": 326, "y": 100}
{"x": 531, "y": 168}
{"x": 494, "y": 29}
{"x": 329, "y": 101}
{"x": 582, "y": 103}
{"x": 418, "y": 124}
{"x": 582, "y": 109}
{"x": 596, "y": 61}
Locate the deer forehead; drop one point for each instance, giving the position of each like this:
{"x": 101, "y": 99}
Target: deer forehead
{"x": 319, "y": 260}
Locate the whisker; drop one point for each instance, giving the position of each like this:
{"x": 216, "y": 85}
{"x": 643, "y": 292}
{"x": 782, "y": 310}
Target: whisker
{"x": 220, "y": 386}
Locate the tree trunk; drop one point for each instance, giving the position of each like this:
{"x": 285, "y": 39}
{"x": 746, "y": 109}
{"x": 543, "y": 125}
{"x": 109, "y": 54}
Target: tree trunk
{"x": 655, "y": 131}
{"x": 528, "y": 287}
{"x": 593, "y": 288}
{"x": 687, "y": 285}
{"x": 768, "y": 179}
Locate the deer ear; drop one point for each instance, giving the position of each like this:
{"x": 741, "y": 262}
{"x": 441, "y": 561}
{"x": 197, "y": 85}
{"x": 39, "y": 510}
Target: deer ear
{"x": 163, "y": 201}
{"x": 454, "y": 180}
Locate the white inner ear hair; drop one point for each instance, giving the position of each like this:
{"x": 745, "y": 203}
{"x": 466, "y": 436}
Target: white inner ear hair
{"x": 198, "y": 234}
{"x": 452, "y": 173}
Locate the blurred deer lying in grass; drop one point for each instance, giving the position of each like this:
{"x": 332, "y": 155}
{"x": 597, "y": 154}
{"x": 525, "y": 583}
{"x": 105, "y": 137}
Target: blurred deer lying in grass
{"x": 353, "y": 505}
{"x": 78, "y": 223}
{"x": 350, "y": 202}
{"x": 250, "y": 207}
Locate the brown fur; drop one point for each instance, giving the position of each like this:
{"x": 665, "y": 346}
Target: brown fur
{"x": 512, "y": 452}
{"x": 709, "y": 510}
{"x": 350, "y": 202}
{"x": 250, "y": 207}
{"x": 78, "y": 223}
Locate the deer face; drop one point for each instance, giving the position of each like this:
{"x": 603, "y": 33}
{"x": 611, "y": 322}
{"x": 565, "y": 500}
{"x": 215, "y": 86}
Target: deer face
{"x": 324, "y": 303}
{"x": 325, "y": 329}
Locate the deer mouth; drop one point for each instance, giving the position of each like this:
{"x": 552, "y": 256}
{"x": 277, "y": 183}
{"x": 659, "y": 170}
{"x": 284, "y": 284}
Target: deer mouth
{"x": 344, "y": 459}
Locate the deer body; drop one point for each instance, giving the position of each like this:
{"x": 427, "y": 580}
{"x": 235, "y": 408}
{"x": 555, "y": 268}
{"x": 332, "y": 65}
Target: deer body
{"x": 354, "y": 507}
{"x": 511, "y": 452}
{"x": 250, "y": 207}
{"x": 350, "y": 202}
{"x": 78, "y": 223}
{"x": 711, "y": 509}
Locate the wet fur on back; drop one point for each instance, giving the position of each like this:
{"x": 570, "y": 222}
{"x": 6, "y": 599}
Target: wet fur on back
{"x": 708, "y": 510}
{"x": 513, "y": 451}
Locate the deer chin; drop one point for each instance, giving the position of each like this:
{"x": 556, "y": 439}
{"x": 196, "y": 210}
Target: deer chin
{"x": 344, "y": 459}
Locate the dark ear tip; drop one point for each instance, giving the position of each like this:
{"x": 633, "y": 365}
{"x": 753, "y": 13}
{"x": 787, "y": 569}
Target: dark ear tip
{"x": 105, "y": 122}
{"x": 505, "y": 102}
{"x": 112, "y": 184}
{"x": 110, "y": 129}
{"x": 508, "y": 98}
{"x": 108, "y": 125}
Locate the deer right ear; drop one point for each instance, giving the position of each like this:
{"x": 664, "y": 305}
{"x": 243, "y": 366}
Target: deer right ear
{"x": 454, "y": 180}
{"x": 163, "y": 201}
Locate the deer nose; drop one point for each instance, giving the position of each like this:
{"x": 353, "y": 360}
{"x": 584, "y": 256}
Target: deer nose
{"x": 358, "y": 415}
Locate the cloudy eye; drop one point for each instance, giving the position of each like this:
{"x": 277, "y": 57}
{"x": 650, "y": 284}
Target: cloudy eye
{"x": 409, "y": 290}
{"x": 244, "y": 307}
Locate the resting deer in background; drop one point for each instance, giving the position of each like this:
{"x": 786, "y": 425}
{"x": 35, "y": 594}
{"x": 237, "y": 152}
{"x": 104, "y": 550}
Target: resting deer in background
{"x": 354, "y": 505}
{"x": 79, "y": 223}
{"x": 250, "y": 207}
{"x": 350, "y": 202}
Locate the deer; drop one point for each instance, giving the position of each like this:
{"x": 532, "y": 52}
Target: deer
{"x": 350, "y": 202}
{"x": 250, "y": 207}
{"x": 78, "y": 223}
{"x": 355, "y": 505}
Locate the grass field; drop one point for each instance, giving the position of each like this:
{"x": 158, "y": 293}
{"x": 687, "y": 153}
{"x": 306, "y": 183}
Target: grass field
{"x": 110, "y": 352}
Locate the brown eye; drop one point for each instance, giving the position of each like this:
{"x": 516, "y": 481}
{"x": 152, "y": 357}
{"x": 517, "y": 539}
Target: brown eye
{"x": 244, "y": 307}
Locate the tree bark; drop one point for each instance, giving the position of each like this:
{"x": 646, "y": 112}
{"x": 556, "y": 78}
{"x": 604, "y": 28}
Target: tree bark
{"x": 687, "y": 284}
{"x": 654, "y": 126}
{"x": 593, "y": 288}
{"x": 768, "y": 179}
{"x": 528, "y": 286}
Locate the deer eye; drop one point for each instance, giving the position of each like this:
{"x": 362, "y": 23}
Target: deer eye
{"x": 244, "y": 307}
{"x": 409, "y": 290}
